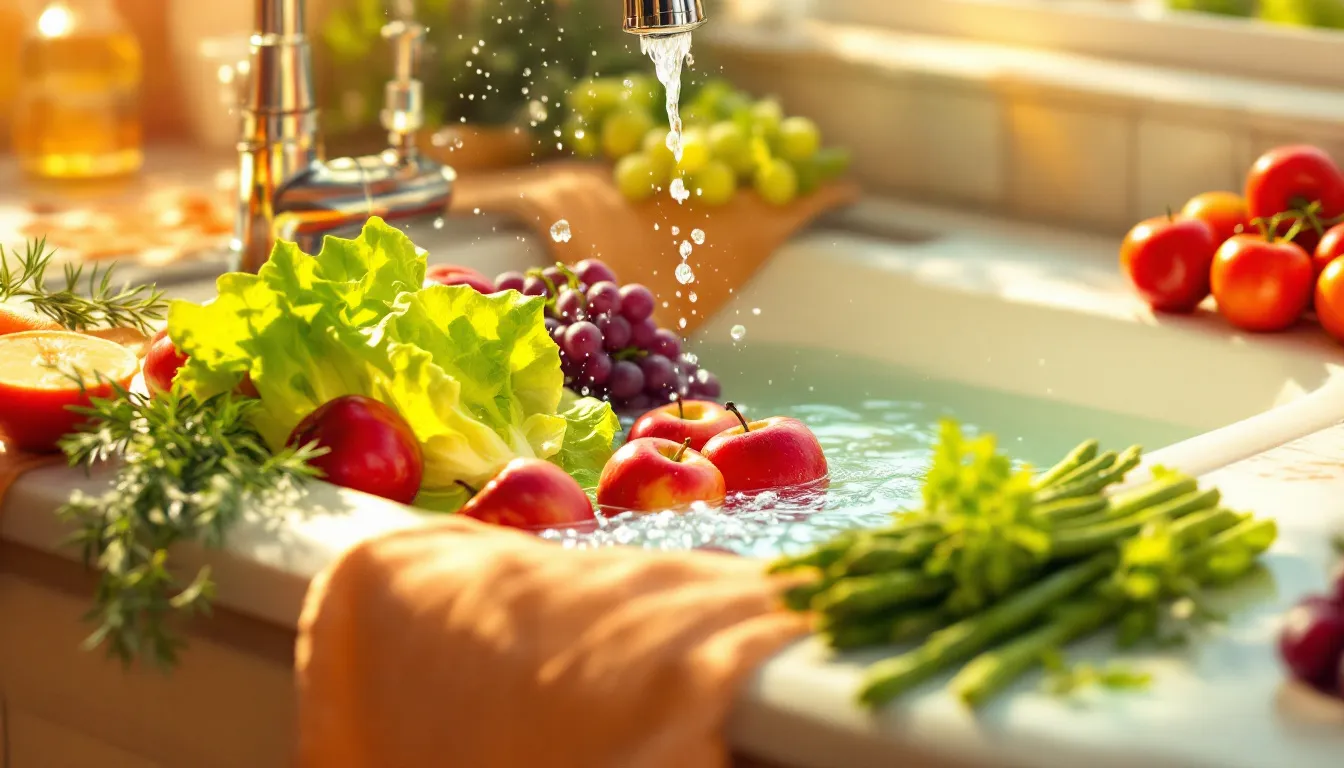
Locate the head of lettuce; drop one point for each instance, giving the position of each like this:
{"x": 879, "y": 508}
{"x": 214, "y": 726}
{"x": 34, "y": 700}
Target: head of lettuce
{"x": 476, "y": 377}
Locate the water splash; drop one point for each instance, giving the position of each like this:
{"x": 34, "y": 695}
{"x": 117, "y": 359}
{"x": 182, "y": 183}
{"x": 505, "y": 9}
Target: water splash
{"x": 560, "y": 231}
{"x": 738, "y": 332}
{"x": 698, "y": 235}
{"x": 668, "y": 53}
{"x": 679, "y": 191}
{"x": 685, "y": 275}
{"x": 685, "y": 249}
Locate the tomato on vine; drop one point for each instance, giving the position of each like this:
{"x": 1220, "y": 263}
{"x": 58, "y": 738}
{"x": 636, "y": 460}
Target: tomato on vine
{"x": 1225, "y": 213}
{"x": 1167, "y": 260}
{"x": 1261, "y": 283}
{"x": 1297, "y": 178}
{"x": 1330, "y": 299}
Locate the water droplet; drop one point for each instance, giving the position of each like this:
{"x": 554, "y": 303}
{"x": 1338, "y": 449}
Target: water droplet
{"x": 738, "y": 332}
{"x": 438, "y": 223}
{"x": 537, "y": 111}
{"x": 693, "y": 297}
{"x": 655, "y": 226}
{"x": 676, "y": 230}
{"x": 755, "y": 310}
{"x": 685, "y": 249}
{"x": 560, "y": 231}
{"x": 698, "y": 235}
{"x": 685, "y": 274}
{"x": 681, "y": 323}
{"x": 527, "y": 72}
{"x": 679, "y": 192}
{"x": 628, "y": 83}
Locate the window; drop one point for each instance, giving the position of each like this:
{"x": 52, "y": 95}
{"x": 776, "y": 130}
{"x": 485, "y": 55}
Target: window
{"x": 1135, "y": 30}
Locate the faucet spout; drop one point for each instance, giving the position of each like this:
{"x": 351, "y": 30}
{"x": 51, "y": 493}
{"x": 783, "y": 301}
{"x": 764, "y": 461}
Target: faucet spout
{"x": 662, "y": 17}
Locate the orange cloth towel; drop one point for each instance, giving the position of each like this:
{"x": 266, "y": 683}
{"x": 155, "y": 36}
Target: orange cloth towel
{"x": 637, "y": 240}
{"x": 475, "y": 646}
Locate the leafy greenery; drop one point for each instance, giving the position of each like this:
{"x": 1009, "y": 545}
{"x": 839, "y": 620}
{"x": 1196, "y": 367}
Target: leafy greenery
{"x": 187, "y": 470}
{"x": 1327, "y": 14}
{"x": 23, "y": 277}
{"x": 484, "y": 62}
{"x": 1000, "y": 569}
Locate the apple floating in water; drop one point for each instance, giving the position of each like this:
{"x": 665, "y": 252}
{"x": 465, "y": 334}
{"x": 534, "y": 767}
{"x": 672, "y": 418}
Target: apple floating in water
{"x": 770, "y": 453}
{"x": 694, "y": 420}
{"x": 370, "y": 447}
{"x": 530, "y": 494}
{"x": 651, "y": 473}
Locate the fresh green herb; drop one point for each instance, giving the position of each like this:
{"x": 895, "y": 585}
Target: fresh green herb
{"x": 101, "y": 305}
{"x": 188, "y": 469}
{"x": 1064, "y": 679}
{"x": 999, "y": 569}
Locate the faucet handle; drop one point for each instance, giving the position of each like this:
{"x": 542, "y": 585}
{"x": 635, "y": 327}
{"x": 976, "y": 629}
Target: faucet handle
{"x": 403, "y": 111}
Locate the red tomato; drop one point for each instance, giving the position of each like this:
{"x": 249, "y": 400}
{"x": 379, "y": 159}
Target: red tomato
{"x": 1330, "y": 248}
{"x": 1330, "y": 299}
{"x": 1291, "y": 178}
{"x": 1167, "y": 260}
{"x": 162, "y": 361}
{"x": 1261, "y": 286}
{"x": 1224, "y": 212}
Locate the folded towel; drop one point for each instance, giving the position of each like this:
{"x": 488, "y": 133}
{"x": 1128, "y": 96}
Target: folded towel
{"x": 468, "y": 645}
{"x": 637, "y": 240}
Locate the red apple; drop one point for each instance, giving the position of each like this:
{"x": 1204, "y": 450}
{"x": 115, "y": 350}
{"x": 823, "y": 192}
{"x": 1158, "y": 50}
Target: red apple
{"x": 696, "y": 420}
{"x": 452, "y": 274}
{"x": 770, "y": 453}
{"x": 651, "y": 474}
{"x": 370, "y": 447}
{"x": 162, "y": 361}
{"x": 530, "y": 494}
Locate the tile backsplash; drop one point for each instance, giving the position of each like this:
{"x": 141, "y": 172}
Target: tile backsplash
{"x": 1060, "y": 139}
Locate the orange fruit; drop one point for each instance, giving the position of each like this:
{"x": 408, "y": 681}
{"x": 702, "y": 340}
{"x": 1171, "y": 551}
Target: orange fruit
{"x": 36, "y": 389}
{"x": 14, "y": 319}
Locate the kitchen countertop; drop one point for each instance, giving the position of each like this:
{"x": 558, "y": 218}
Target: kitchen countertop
{"x": 797, "y": 709}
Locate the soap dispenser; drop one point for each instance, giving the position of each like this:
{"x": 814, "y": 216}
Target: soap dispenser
{"x": 77, "y": 112}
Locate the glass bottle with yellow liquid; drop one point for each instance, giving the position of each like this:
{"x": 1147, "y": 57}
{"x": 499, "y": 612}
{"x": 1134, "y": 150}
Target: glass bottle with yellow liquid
{"x": 77, "y": 115}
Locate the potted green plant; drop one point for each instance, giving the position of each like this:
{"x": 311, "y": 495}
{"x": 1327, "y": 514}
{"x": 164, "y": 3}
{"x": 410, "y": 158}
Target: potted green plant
{"x": 495, "y": 72}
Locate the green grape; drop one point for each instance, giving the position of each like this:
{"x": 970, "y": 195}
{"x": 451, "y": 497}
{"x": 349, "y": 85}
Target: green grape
{"x": 643, "y": 93}
{"x": 798, "y": 139}
{"x": 777, "y": 182}
{"x": 655, "y": 147}
{"x": 831, "y": 163}
{"x": 1220, "y": 7}
{"x": 1307, "y": 13}
{"x": 809, "y": 176}
{"x": 592, "y": 99}
{"x": 694, "y": 151}
{"x": 581, "y": 138}
{"x": 765, "y": 118}
{"x": 634, "y": 176}
{"x": 730, "y": 143}
{"x": 715, "y": 183}
{"x": 623, "y": 132}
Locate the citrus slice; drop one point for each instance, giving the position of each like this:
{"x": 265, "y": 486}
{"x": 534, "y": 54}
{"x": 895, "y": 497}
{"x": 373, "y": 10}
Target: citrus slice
{"x": 15, "y": 318}
{"x": 38, "y": 387}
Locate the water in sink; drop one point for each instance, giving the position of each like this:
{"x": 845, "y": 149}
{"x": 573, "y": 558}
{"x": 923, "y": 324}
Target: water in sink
{"x": 877, "y": 424}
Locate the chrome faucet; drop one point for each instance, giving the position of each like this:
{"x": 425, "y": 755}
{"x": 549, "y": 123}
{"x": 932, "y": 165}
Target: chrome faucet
{"x": 288, "y": 190}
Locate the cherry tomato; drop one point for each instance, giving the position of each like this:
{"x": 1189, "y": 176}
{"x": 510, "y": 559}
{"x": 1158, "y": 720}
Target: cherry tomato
{"x": 1224, "y": 212}
{"x": 162, "y": 361}
{"x": 1330, "y": 248}
{"x": 1291, "y": 178}
{"x": 1167, "y": 260}
{"x": 1261, "y": 286}
{"x": 1330, "y": 299}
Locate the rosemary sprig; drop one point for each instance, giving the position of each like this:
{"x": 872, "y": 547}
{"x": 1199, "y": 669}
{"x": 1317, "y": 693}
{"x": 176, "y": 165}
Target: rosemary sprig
{"x": 103, "y": 306}
{"x": 188, "y": 471}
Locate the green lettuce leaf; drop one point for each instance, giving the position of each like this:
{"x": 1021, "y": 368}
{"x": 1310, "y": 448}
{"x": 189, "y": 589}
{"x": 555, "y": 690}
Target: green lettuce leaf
{"x": 590, "y": 432}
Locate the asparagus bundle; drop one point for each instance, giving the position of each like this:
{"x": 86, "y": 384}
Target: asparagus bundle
{"x": 1000, "y": 568}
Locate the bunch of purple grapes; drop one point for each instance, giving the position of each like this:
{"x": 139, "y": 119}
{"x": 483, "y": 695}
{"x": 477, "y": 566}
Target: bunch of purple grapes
{"x": 610, "y": 346}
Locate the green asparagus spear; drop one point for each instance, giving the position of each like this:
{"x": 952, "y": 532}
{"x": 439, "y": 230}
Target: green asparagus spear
{"x": 1085, "y": 470}
{"x": 879, "y": 555}
{"x": 1082, "y": 541}
{"x": 987, "y": 674}
{"x": 1079, "y": 456}
{"x": 863, "y": 595}
{"x": 1150, "y": 494}
{"x": 820, "y": 557}
{"x": 1065, "y": 510}
{"x": 1232, "y": 553}
{"x": 894, "y": 629}
{"x": 890, "y": 678}
{"x": 1090, "y": 484}
{"x": 1196, "y": 528}
{"x": 801, "y": 596}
